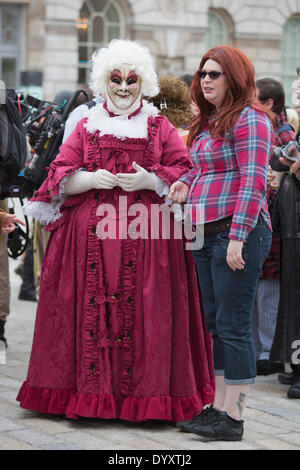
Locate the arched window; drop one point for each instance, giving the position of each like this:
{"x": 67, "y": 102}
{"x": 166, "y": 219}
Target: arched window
{"x": 290, "y": 50}
{"x": 99, "y": 23}
{"x": 217, "y": 30}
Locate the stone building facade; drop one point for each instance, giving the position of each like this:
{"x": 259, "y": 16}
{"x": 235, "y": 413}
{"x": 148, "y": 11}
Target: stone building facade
{"x": 54, "y": 39}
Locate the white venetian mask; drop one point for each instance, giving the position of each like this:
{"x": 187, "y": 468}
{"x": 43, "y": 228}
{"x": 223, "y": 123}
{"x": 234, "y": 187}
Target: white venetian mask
{"x": 123, "y": 90}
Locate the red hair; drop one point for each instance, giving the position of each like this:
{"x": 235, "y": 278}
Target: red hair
{"x": 240, "y": 93}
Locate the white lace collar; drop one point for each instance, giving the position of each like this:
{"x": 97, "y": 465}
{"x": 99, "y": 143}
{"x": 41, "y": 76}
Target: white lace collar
{"x": 121, "y": 127}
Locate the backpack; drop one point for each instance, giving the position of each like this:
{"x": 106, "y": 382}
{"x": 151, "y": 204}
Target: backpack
{"x": 13, "y": 146}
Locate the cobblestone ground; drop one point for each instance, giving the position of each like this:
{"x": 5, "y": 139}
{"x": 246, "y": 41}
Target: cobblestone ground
{"x": 272, "y": 420}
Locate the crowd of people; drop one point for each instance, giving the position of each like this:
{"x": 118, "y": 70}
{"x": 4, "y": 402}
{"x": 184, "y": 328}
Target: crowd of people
{"x": 137, "y": 327}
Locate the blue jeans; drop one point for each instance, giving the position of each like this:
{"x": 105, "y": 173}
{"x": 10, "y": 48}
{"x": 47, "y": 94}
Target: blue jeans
{"x": 264, "y": 317}
{"x": 228, "y": 298}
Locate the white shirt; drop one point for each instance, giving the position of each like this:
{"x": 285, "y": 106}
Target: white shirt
{"x": 76, "y": 115}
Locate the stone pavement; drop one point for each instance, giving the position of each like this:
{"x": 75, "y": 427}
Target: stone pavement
{"x": 272, "y": 420}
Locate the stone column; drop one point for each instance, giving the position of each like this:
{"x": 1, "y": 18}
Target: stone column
{"x": 61, "y": 47}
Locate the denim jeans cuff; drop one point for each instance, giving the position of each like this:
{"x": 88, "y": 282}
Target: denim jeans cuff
{"x": 218, "y": 372}
{"x": 240, "y": 381}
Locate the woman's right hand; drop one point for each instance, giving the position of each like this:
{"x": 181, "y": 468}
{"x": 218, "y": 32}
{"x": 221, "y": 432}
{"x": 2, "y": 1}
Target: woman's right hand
{"x": 295, "y": 167}
{"x": 103, "y": 179}
{"x": 83, "y": 181}
{"x": 179, "y": 192}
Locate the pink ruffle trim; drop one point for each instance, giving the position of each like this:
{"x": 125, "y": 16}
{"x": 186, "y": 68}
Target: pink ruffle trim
{"x": 74, "y": 405}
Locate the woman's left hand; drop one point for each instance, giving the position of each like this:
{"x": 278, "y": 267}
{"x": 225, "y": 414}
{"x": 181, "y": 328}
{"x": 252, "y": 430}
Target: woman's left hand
{"x": 234, "y": 255}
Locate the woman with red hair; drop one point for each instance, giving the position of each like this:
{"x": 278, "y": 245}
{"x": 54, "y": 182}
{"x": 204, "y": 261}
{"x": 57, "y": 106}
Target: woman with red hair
{"x": 230, "y": 141}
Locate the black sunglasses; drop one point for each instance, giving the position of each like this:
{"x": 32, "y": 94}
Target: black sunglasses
{"x": 214, "y": 75}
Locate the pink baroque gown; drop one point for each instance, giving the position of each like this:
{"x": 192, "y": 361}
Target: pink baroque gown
{"x": 119, "y": 330}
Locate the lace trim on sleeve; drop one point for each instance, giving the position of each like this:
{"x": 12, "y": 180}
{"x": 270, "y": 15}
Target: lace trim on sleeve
{"x": 162, "y": 189}
{"x": 48, "y": 213}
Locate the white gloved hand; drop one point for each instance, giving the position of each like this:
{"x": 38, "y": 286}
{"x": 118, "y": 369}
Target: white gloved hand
{"x": 83, "y": 181}
{"x": 103, "y": 179}
{"x": 142, "y": 179}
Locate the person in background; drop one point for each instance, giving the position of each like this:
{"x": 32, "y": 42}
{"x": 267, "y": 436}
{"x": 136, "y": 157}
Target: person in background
{"x": 294, "y": 166}
{"x": 230, "y": 142}
{"x": 8, "y": 221}
{"x": 287, "y": 333}
{"x": 297, "y": 108}
{"x": 173, "y": 101}
{"x": 41, "y": 236}
{"x": 292, "y": 118}
{"x": 297, "y": 92}
{"x": 270, "y": 93}
{"x": 188, "y": 79}
{"x": 7, "y": 225}
{"x": 80, "y": 111}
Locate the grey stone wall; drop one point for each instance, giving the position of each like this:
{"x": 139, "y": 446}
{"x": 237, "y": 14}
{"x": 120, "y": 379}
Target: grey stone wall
{"x": 174, "y": 31}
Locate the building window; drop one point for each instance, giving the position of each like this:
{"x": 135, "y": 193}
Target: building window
{"x": 290, "y": 49}
{"x": 99, "y": 23}
{"x": 217, "y": 33}
{"x": 10, "y": 45}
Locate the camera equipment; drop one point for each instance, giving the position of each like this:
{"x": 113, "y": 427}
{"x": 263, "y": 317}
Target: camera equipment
{"x": 44, "y": 123}
{"x": 13, "y": 147}
{"x": 17, "y": 240}
{"x": 283, "y": 151}
{"x": 45, "y": 129}
{"x": 13, "y": 153}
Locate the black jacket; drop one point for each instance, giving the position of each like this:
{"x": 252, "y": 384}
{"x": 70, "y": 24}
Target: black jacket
{"x": 288, "y": 320}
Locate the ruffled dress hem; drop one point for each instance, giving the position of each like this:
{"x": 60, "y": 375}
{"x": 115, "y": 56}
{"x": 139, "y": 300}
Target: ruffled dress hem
{"x": 74, "y": 405}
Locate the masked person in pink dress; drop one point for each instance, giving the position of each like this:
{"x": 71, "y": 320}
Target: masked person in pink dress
{"x": 119, "y": 331}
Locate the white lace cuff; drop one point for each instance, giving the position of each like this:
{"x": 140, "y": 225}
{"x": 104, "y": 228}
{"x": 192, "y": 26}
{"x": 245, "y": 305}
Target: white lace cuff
{"x": 162, "y": 189}
{"x": 43, "y": 211}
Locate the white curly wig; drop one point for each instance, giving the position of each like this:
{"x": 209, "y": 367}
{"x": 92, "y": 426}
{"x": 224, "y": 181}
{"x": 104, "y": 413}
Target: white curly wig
{"x": 120, "y": 52}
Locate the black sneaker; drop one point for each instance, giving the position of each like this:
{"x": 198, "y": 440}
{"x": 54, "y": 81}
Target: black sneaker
{"x": 294, "y": 390}
{"x": 201, "y": 416}
{"x": 286, "y": 378}
{"x": 265, "y": 367}
{"x": 29, "y": 294}
{"x": 220, "y": 427}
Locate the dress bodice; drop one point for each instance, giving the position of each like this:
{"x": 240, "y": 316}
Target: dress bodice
{"x": 117, "y": 155}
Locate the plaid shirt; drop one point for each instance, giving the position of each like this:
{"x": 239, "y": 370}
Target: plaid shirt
{"x": 230, "y": 174}
{"x": 271, "y": 266}
{"x": 285, "y": 136}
